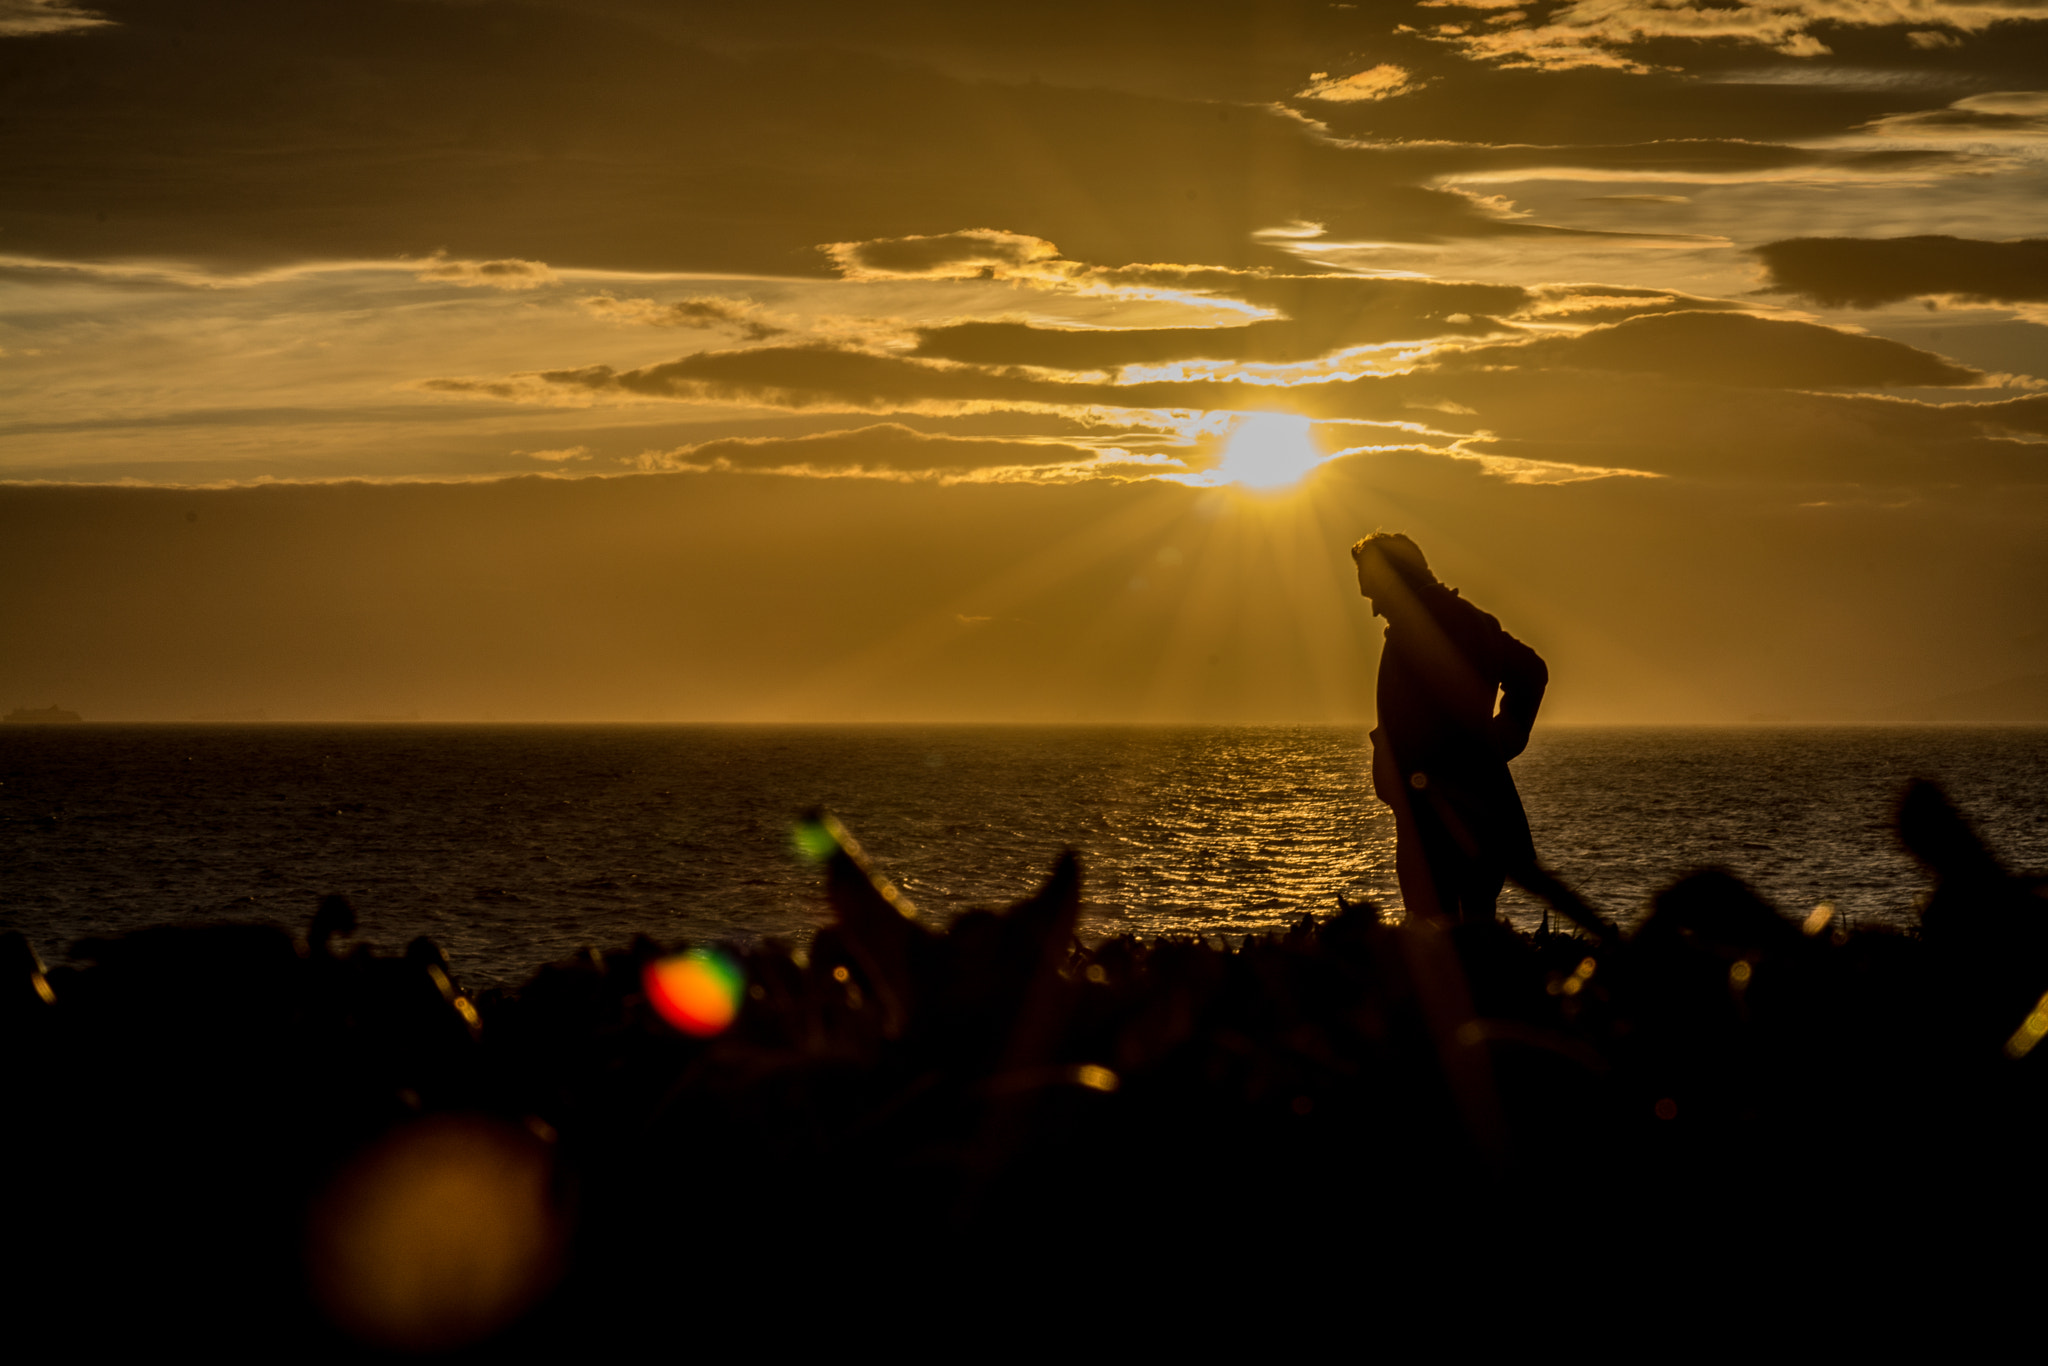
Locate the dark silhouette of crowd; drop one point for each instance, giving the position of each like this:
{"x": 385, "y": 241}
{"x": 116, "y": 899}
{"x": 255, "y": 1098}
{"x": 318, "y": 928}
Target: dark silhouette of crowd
{"x": 229, "y": 1132}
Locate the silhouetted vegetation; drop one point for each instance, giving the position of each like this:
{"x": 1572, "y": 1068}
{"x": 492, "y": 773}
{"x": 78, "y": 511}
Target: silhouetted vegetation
{"x": 223, "y": 1131}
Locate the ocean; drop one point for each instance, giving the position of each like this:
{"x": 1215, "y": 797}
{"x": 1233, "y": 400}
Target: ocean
{"x": 516, "y": 845}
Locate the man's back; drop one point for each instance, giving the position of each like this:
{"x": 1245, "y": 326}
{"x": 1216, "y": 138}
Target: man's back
{"x": 1440, "y": 750}
{"x": 1443, "y": 664}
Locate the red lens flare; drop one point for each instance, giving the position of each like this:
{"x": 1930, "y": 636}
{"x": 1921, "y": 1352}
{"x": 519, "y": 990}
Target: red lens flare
{"x": 698, "y": 992}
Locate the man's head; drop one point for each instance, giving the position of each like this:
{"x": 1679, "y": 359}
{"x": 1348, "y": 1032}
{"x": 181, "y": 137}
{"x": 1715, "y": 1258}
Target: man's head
{"x": 1389, "y": 563}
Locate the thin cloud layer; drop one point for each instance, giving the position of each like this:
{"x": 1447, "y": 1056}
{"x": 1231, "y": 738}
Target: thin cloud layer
{"x": 984, "y": 253}
{"x": 25, "y": 18}
{"x": 1586, "y": 33}
{"x": 1591, "y": 382}
{"x": 703, "y": 312}
{"x": 1380, "y": 82}
{"x": 512, "y": 275}
{"x": 892, "y": 450}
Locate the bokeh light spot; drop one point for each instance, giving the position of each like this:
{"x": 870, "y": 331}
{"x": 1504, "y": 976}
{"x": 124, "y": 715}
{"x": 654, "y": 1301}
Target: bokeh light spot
{"x": 815, "y": 840}
{"x": 438, "y": 1236}
{"x": 698, "y": 992}
{"x": 1096, "y": 1078}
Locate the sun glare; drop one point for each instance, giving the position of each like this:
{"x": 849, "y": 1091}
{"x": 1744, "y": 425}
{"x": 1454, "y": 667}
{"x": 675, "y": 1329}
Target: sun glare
{"x": 1268, "y": 451}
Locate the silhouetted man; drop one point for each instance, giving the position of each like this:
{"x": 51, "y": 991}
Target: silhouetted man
{"x": 1440, "y": 751}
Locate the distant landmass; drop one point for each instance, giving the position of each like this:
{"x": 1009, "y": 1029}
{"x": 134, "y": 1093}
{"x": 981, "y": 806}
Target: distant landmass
{"x": 2018, "y": 701}
{"x": 42, "y": 716}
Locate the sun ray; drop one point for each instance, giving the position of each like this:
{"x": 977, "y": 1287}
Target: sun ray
{"x": 919, "y": 639}
{"x": 1267, "y": 451}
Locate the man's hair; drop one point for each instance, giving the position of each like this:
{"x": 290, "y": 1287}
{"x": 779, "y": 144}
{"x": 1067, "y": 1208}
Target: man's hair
{"x": 1396, "y": 552}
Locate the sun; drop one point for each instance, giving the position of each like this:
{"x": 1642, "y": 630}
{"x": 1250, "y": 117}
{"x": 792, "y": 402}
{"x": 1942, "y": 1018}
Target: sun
{"x": 1268, "y": 451}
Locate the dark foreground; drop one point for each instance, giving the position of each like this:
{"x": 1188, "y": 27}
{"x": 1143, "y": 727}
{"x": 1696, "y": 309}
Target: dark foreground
{"x": 224, "y": 1134}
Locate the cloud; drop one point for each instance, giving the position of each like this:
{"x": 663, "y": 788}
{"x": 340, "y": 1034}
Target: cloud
{"x": 891, "y": 450}
{"x": 1277, "y": 342}
{"x": 706, "y": 311}
{"x": 972, "y": 253}
{"x": 1599, "y": 33}
{"x": 2001, "y": 121}
{"x": 28, "y": 18}
{"x": 1861, "y": 272}
{"x": 824, "y": 377}
{"x": 836, "y": 378}
{"x": 1671, "y": 425}
{"x": 1305, "y": 360}
{"x": 506, "y": 274}
{"x": 241, "y": 136}
{"x": 1734, "y": 349}
{"x": 1589, "y": 304}
{"x": 1320, "y": 315}
{"x": 1374, "y": 83}
{"x": 557, "y": 457}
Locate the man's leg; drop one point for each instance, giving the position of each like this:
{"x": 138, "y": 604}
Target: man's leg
{"x": 1413, "y": 866}
{"x": 1479, "y": 884}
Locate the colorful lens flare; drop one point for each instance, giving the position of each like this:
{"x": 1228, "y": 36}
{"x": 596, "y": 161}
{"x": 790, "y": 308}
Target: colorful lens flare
{"x": 698, "y": 992}
{"x": 815, "y": 838}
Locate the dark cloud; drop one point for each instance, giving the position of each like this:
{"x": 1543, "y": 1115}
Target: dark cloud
{"x": 684, "y": 137}
{"x": 1731, "y": 349}
{"x": 1322, "y": 314}
{"x": 850, "y": 379}
{"x": 2023, "y": 417}
{"x": 1244, "y": 50}
{"x": 1770, "y": 438}
{"x": 1863, "y": 272}
{"x": 233, "y": 133}
{"x": 1564, "y": 110}
{"x": 1066, "y": 348}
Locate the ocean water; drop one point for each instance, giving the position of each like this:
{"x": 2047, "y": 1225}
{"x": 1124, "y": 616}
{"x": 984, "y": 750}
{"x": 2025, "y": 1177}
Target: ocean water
{"x": 515, "y": 845}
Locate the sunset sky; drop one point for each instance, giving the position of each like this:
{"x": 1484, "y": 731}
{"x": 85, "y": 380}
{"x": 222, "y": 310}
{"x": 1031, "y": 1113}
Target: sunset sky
{"x": 649, "y": 360}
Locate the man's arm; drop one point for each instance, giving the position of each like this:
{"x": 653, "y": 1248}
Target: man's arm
{"x": 1523, "y": 677}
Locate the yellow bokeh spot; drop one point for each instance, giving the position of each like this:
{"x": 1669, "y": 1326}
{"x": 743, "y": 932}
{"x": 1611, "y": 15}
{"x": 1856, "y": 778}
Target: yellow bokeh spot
{"x": 2030, "y": 1032}
{"x": 440, "y": 1235}
{"x": 1096, "y": 1078}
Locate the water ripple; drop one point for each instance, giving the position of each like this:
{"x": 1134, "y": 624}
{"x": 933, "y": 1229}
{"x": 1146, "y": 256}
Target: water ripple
{"x": 514, "y": 845}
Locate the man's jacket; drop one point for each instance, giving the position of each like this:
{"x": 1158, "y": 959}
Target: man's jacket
{"x": 1439, "y": 734}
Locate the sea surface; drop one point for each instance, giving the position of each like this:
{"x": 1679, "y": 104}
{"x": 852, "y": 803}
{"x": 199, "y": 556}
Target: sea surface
{"x": 516, "y": 845}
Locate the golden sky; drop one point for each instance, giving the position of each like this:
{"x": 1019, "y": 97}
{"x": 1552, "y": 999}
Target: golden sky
{"x": 639, "y": 359}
